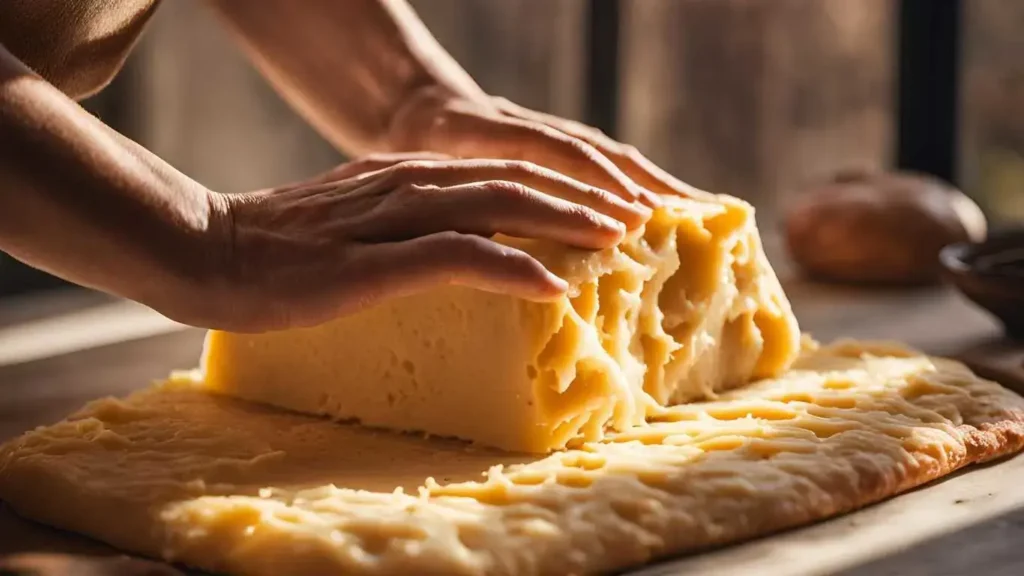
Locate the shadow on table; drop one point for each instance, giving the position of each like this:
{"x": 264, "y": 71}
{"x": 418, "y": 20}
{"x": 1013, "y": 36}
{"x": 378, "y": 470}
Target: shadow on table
{"x": 27, "y": 548}
{"x": 41, "y": 392}
{"x": 994, "y": 547}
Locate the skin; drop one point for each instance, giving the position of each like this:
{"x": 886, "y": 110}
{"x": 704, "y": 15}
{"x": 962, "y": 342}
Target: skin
{"x": 444, "y": 167}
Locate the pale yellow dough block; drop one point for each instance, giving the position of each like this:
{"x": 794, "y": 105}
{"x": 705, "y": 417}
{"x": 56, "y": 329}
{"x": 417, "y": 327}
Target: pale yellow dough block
{"x": 240, "y": 489}
{"x": 681, "y": 310}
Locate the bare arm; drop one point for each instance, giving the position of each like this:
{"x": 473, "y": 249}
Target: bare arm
{"x": 346, "y": 66}
{"x": 76, "y": 45}
{"x": 81, "y": 201}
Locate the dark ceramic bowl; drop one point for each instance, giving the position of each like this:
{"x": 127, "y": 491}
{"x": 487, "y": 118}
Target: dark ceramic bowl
{"x": 991, "y": 274}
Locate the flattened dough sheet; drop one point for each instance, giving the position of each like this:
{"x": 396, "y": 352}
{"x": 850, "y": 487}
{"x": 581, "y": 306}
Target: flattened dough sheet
{"x": 232, "y": 487}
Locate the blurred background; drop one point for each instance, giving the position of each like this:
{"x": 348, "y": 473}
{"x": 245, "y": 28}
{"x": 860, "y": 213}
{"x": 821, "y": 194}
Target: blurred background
{"x": 756, "y": 98}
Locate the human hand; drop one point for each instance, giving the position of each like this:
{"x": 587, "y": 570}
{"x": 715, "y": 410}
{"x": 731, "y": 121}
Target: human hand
{"x": 465, "y": 126}
{"x": 390, "y": 226}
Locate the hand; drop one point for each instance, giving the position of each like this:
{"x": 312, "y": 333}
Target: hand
{"x": 464, "y": 126}
{"x": 389, "y": 226}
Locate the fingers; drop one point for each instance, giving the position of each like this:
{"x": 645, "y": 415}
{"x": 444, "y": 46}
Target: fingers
{"x": 513, "y": 209}
{"x": 652, "y": 177}
{"x": 485, "y": 208}
{"x": 544, "y": 180}
{"x": 402, "y": 268}
{"x": 377, "y": 162}
{"x": 361, "y": 166}
{"x": 587, "y": 133}
{"x": 365, "y": 275}
{"x": 468, "y": 133}
{"x": 645, "y": 173}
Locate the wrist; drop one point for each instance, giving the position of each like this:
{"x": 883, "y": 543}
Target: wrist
{"x": 206, "y": 277}
{"x": 193, "y": 267}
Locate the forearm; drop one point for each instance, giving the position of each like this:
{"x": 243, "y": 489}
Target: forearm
{"x": 86, "y": 204}
{"x": 346, "y": 66}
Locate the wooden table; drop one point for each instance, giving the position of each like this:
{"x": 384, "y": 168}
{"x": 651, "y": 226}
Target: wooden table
{"x": 59, "y": 351}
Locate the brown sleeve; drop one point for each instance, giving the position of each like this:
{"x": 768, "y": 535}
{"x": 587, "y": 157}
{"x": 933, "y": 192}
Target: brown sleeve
{"x": 77, "y": 45}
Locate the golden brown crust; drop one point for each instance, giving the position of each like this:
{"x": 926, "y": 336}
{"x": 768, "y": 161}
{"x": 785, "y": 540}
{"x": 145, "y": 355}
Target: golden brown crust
{"x": 992, "y": 440}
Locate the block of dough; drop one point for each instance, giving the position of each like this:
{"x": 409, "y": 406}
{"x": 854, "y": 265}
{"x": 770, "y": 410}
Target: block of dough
{"x": 240, "y": 489}
{"x": 679, "y": 311}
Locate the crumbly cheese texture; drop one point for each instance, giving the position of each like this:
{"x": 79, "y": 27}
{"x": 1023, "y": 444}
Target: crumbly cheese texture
{"x": 682, "y": 309}
{"x": 238, "y": 488}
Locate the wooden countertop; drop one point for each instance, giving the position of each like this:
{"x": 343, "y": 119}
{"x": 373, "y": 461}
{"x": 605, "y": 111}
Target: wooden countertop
{"x": 60, "y": 350}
